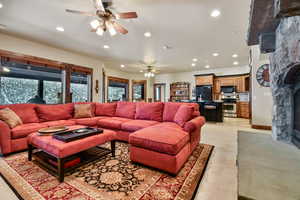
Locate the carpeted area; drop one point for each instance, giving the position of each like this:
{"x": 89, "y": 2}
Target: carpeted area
{"x": 109, "y": 178}
{"x": 267, "y": 169}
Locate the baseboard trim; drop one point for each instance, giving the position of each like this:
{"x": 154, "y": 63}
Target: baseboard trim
{"x": 262, "y": 127}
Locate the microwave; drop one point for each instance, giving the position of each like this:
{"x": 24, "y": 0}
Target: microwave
{"x": 228, "y": 89}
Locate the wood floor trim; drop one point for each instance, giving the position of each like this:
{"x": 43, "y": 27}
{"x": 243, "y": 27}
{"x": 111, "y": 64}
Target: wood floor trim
{"x": 262, "y": 127}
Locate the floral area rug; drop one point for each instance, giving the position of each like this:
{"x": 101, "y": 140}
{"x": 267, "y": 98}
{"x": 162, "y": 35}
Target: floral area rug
{"x": 106, "y": 179}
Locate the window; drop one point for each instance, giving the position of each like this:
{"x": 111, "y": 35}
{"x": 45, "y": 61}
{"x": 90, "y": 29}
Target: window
{"x": 52, "y": 93}
{"x": 29, "y": 79}
{"x": 80, "y": 87}
{"x": 17, "y": 90}
{"x": 117, "y": 89}
{"x": 27, "y": 83}
{"x": 139, "y": 90}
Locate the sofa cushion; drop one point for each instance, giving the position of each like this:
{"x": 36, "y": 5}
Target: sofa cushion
{"x": 26, "y": 112}
{"x": 26, "y": 129}
{"x": 170, "y": 109}
{"x": 60, "y": 123}
{"x": 160, "y": 139}
{"x": 106, "y": 109}
{"x": 169, "y": 124}
{"x": 149, "y": 111}
{"x": 135, "y": 125}
{"x": 113, "y": 122}
{"x": 10, "y": 117}
{"x": 55, "y": 112}
{"x": 83, "y": 110}
{"x": 88, "y": 121}
{"x": 125, "y": 109}
{"x": 183, "y": 114}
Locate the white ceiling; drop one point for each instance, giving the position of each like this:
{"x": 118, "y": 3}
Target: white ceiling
{"x": 185, "y": 25}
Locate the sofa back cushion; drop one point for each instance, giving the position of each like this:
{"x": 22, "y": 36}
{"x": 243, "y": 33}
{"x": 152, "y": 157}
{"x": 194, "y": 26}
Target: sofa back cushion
{"x": 55, "y": 112}
{"x": 10, "y": 117}
{"x": 125, "y": 109}
{"x": 170, "y": 109}
{"x": 106, "y": 109}
{"x": 183, "y": 115}
{"x": 84, "y": 110}
{"x": 149, "y": 111}
{"x": 26, "y": 112}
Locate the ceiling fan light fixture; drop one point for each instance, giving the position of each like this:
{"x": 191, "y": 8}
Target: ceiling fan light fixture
{"x": 95, "y": 24}
{"x": 112, "y": 31}
{"x": 99, "y": 31}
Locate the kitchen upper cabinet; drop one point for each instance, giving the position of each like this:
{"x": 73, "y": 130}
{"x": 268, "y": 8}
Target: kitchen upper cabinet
{"x": 205, "y": 80}
{"x": 217, "y": 85}
{"x": 242, "y": 84}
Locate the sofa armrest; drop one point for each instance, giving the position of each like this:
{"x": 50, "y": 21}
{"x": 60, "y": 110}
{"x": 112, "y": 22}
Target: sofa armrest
{"x": 194, "y": 124}
{"x": 5, "y": 138}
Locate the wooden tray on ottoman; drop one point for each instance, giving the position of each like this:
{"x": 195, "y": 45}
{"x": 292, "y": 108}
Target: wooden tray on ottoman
{"x": 68, "y": 136}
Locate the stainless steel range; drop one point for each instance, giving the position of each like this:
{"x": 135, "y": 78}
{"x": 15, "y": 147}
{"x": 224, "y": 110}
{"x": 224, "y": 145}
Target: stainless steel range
{"x": 229, "y": 98}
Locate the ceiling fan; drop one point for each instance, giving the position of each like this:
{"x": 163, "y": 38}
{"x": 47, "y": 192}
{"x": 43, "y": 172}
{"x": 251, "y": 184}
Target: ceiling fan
{"x": 150, "y": 70}
{"x": 106, "y": 19}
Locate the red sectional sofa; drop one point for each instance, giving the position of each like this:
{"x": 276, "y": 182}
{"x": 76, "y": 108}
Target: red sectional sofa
{"x": 161, "y": 135}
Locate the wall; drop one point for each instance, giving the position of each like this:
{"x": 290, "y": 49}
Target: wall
{"x": 189, "y": 76}
{"x": 261, "y": 96}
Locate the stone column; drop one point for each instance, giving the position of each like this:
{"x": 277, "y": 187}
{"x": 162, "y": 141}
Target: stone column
{"x": 287, "y": 53}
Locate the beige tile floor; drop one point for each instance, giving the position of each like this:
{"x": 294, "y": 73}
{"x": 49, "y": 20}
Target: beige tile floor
{"x": 220, "y": 179}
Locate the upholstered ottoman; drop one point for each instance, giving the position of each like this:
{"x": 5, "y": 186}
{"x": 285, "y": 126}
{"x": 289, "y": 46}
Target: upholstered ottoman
{"x": 63, "y": 150}
{"x": 162, "y": 147}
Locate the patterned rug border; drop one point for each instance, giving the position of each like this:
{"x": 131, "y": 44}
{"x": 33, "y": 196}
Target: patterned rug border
{"x": 197, "y": 179}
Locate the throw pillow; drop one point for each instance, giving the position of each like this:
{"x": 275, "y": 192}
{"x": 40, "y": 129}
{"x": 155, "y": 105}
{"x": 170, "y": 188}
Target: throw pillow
{"x": 83, "y": 111}
{"x": 10, "y": 117}
{"x": 183, "y": 114}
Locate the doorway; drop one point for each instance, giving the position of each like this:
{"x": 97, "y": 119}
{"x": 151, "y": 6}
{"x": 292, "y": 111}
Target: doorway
{"x": 159, "y": 92}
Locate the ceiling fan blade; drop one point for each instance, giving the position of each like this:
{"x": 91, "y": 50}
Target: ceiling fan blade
{"x": 80, "y": 12}
{"x": 98, "y": 5}
{"x": 127, "y": 15}
{"x": 120, "y": 28}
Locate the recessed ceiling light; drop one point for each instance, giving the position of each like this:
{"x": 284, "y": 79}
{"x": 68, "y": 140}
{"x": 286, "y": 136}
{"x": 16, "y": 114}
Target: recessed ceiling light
{"x": 235, "y": 62}
{"x": 106, "y": 47}
{"x": 147, "y": 34}
{"x": 207, "y": 66}
{"x": 215, "y": 54}
{"x": 6, "y": 69}
{"x": 195, "y": 59}
{"x": 1, "y": 5}
{"x": 60, "y": 28}
{"x": 193, "y": 64}
{"x": 122, "y": 66}
{"x": 215, "y": 13}
{"x": 235, "y": 56}
{"x": 141, "y": 70}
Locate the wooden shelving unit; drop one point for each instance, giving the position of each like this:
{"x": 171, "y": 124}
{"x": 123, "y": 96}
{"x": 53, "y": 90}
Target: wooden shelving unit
{"x": 179, "y": 91}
